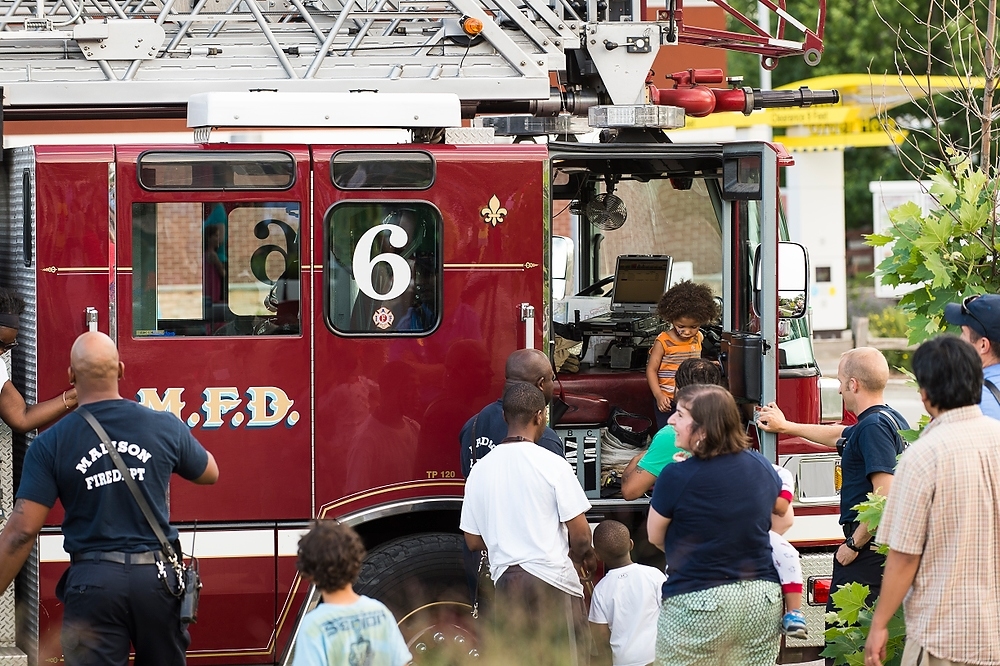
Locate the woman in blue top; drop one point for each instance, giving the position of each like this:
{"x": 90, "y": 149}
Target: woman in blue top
{"x": 710, "y": 515}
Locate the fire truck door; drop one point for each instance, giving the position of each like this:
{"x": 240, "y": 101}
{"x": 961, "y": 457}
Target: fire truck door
{"x": 423, "y": 258}
{"x": 211, "y": 327}
{"x": 209, "y": 317}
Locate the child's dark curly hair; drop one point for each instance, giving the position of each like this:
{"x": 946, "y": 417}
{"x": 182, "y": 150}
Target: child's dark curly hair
{"x": 688, "y": 299}
{"x": 330, "y": 555}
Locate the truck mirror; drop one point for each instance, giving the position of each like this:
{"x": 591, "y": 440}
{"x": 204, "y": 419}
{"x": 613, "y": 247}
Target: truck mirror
{"x": 793, "y": 280}
{"x": 562, "y": 266}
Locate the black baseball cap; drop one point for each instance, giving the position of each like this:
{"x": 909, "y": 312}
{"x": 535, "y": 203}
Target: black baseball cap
{"x": 980, "y": 313}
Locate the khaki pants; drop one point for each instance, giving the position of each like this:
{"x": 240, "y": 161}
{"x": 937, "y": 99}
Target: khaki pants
{"x": 530, "y": 613}
{"x": 914, "y": 655}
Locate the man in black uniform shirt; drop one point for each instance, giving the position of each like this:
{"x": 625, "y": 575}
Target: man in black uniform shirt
{"x": 110, "y": 591}
{"x": 487, "y": 428}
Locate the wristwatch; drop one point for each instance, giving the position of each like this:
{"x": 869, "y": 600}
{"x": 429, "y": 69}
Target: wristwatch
{"x": 853, "y": 546}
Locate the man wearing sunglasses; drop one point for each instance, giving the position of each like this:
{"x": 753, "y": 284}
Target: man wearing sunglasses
{"x": 979, "y": 317}
{"x": 20, "y": 416}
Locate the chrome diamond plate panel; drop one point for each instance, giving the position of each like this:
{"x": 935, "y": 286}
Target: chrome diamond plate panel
{"x": 818, "y": 565}
{"x": 17, "y": 271}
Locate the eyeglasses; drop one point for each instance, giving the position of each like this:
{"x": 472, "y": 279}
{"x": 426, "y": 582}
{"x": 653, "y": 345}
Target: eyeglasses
{"x": 966, "y": 311}
{"x": 6, "y": 346}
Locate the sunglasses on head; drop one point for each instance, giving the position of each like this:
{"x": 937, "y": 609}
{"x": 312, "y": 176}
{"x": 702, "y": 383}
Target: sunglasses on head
{"x": 965, "y": 310}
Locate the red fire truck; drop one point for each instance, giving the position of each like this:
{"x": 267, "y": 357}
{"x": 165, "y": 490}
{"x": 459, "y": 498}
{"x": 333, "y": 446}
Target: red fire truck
{"x": 325, "y": 314}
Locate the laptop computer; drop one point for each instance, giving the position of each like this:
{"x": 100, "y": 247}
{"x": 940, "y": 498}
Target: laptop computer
{"x": 640, "y": 281}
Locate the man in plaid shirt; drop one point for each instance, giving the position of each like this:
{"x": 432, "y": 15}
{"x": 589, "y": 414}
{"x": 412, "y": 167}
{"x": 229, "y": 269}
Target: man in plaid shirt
{"x": 942, "y": 522}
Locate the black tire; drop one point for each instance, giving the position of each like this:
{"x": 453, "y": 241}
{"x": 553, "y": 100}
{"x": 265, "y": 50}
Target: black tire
{"x": 421, "y": 579}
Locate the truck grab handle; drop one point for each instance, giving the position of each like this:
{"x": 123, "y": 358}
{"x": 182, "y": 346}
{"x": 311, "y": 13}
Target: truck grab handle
{"x": 803, "y": 97}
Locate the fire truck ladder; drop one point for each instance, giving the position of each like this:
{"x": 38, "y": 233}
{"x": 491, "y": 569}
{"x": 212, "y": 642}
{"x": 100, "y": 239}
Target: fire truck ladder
{"x": 117, "y": 57}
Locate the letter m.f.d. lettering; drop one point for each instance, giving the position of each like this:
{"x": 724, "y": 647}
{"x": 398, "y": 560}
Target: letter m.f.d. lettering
{"x": 170, "y": 402}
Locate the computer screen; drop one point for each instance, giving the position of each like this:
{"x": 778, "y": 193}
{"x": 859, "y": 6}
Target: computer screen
{"x": 640, "y": 282}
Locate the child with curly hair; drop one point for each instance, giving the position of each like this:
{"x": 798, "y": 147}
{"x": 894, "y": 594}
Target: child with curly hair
{"x": 687, "y": 306}
{"x": 347, "y": 628}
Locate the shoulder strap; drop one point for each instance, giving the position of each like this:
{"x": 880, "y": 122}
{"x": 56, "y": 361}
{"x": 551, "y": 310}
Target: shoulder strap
{"x": 168, "y": 550}
{"x": 993, "y": 389}
{"x": 891, "y": 418}
{"x": 475, "y": 447}
{"x": 896, "y": 427}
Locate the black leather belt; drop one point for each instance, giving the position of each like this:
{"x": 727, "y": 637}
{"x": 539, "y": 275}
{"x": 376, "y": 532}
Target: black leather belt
{"x": 148, "y": 557}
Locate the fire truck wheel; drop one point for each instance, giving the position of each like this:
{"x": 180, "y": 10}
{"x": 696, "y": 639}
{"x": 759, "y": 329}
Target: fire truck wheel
{"x": 421, "y": 579}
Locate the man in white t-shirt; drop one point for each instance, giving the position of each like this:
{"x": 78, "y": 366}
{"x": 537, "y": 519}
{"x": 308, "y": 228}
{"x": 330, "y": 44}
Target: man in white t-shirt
{"x": 524, "y": 505}
{"x": 626, "y": 603}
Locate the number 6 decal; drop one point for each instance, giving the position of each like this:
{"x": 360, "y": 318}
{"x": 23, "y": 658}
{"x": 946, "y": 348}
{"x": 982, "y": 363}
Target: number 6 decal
{"x": 364, "y": 267}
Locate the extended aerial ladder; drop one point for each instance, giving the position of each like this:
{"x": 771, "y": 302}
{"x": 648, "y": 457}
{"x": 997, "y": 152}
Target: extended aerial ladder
{"x": 132, "y": 58}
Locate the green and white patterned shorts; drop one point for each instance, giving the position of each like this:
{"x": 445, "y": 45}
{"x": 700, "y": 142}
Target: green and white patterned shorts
{"x": 736, "y": 624}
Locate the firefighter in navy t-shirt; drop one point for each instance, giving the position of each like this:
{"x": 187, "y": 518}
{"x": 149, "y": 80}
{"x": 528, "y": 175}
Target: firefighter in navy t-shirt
{"x": 485, "y": 430}
{"x": 868, "y": 460}
{"x": 112, "y": 591}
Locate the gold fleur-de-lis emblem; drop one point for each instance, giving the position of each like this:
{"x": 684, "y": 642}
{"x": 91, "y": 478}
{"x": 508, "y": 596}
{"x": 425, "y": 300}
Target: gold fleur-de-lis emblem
{"x": 494, "y": 213}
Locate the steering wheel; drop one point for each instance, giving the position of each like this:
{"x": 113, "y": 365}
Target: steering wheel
{"x": 597, "y": 288}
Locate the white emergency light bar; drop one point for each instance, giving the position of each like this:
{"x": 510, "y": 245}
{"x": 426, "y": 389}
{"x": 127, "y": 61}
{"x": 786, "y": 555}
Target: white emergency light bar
{"x": 271, "y": 109}
{"x": 636, "y": 115}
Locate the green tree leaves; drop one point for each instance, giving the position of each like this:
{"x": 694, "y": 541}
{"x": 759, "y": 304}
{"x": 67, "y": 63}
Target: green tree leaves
{"x": 852, "y": 617}
{"x": 850, "y": 624}
{"x": 870, "y": 511}
{"x": 949, "y": 253}
{"x": 850, "y": 600}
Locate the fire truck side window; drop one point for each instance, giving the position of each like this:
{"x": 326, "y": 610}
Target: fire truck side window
{"x": 385, "y": 170}
{"x": 215, "y": 170}
{"x": 383, "y": 272}
{"x": 215, "y": 269}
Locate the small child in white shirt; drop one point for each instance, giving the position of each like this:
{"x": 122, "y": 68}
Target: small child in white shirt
{"x": 626, "y": 602}
{"x": 786, "y": 559}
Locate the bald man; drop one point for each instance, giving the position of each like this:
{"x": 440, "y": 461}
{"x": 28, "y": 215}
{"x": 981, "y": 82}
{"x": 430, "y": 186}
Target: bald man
{"x": 487, "y": 428}
{"x": 114, "y": 592}
{"x": 868, "y": 452}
